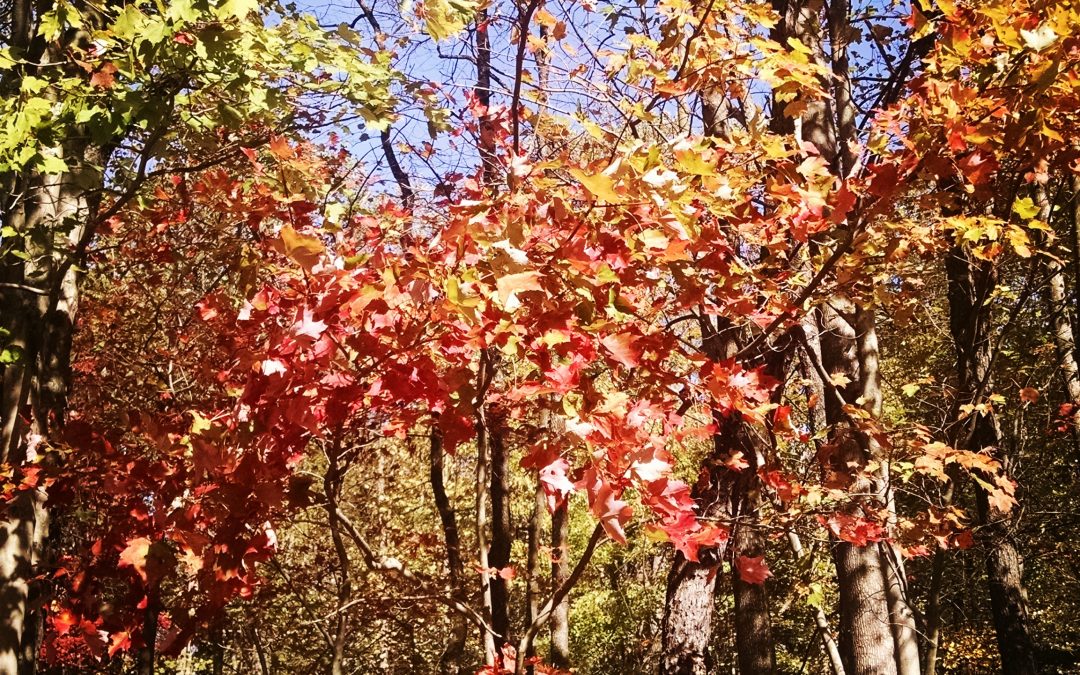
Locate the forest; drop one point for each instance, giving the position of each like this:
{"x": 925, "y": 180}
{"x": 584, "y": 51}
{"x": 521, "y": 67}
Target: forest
{"x": 499, "y": 337}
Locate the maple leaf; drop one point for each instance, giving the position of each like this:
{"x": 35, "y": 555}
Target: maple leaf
{"x": 63, "y": 621}
{"x": 309, "y": 327}
{"x": 621, "y": 347}
{"x": 134, "y": 555}
{"x": 302, "y": 248}
{"x": 752, "y": 570}
{"x": 119, "y": 642}
{"x": 272, "y": 367}
{"x": 600, "y": 185}
{"x": 736, "y": 461}
{"x": 104, "y": 77}
{"x": 611, "y": 511}
{"x": 557, "y": 486}
{"x": 511, "y": 284}
{"x": 652, "y": 470}
{"x": 280, "y": 148}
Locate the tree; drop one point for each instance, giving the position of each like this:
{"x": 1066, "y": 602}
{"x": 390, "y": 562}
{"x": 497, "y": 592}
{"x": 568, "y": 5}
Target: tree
{"x": 681, "y": 291}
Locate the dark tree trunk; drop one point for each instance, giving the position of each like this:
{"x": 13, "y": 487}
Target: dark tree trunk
{"x": 452, "y": 660}
{"x": 753, "y": 625}
{"x": 971, "y": 282}
{"x": 532, "y": 565}
{"x": 730, "y": 495}
{"x": 501, "y": 536}
{"x": 147, "y": 652}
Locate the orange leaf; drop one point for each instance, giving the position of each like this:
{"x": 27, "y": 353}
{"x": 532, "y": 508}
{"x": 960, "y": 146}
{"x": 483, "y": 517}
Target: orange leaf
{"x": 517, "y": 283}
{"x": 302, "y": 248}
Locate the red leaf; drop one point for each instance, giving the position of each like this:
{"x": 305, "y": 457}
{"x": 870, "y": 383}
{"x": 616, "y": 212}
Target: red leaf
{"x": 752, "y": 570}
{"x": 119, "y": 642}
{"x": 621, "y": 347}
{"x": 63, "y": 622}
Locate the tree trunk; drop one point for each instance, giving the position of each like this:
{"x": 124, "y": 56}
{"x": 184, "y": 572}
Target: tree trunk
{"x": 901, "y": 618}
{"x": 971, "y": 283}
{"x": 866, "y": 640}
{"x": 753, "y": 625}
{"x": 452, "y": 660}
{"x": 40, "y": 299}
{"x": 866, "y": 637}
{"x": 532, "y": 564}
{"x": 560, "y": 572}
{"x": 147, "y": 652}
{"x": 332, "y": 484}
{"x": 688, "y": 612}
{"x": 1059, "y": 309}
{"x": 217, "y": 646}
{"x": 732, "y": 495}
{"x": 501, "y": 536}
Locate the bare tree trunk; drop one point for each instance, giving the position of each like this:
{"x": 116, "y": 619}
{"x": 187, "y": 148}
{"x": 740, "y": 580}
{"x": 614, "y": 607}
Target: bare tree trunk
{"x": 217, "y": 645}
{"x": 688, "y": 612}
{"x": 483, "y": 470}
{"x": 501, "y": 535}
{"x": 866, "y": 637}
{"x": 451, "y": 661}
{"x": 901, "y": 618}
{"x": 1059, "y": 306}
{"x": 753, "y": 626}
{"x": 970, "y": 284}
{"x": 933, "y": 613}
{"x": 332, "y": 483}
{"x": 560, "y": 572}
{"x": 40, "y": 301}
{"x": 260, "y": 651}
{"x": 532, "y": 564}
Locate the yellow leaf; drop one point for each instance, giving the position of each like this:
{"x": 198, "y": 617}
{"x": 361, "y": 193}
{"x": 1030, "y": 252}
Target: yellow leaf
{"x": 600, "y": 185}
{"x": 236, "y": 9}
{"x": 302, "y": 248}
{"x": 1025, "y": 208}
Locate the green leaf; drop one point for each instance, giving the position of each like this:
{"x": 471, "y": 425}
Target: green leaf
{"x": 238, "y": 9}
{"x": 445, "y": 18}
{"x": 52, "y": 164}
